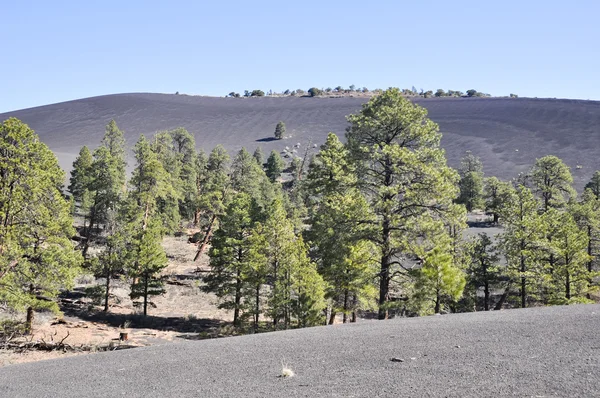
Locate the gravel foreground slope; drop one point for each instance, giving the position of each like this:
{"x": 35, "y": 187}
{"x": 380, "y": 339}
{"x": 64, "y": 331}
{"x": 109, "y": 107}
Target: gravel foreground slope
{"x": 540, "y": 352}
{"x": 507, "y": 133}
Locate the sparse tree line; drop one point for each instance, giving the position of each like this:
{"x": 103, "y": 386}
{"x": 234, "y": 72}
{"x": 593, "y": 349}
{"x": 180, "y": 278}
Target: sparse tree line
{"x": 339, "y": 90}
{"x": 375, "y": 223}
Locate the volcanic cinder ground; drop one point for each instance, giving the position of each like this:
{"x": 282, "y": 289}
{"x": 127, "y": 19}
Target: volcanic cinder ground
{"x": 537, "y": 352}
{"x": 507, "y": 133}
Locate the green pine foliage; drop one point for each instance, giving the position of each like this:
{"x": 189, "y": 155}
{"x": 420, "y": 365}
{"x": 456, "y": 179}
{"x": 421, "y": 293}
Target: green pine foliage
{"x": 275, "y": 166}
{"x": 484, "y": 272}
{"x": 471, "y": 182}
{"x": 346, "y": 259}
{"x": 404, "y": 175}
{"x": 150, "y": 259}
{"x": 522, "y": 246}
{"x": 552, "y": 181}
{"x": 37, "y": 257}
{"x": 280, "y": 130}
{"x": 230, "y": 258}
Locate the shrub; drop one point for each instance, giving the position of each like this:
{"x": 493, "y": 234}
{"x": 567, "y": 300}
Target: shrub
{"x": 315, "y": 92}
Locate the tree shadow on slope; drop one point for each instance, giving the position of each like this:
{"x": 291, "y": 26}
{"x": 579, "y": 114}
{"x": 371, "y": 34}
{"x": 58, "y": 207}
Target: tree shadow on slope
{"x": 266, "y": 139}
{"x": 138, "y": 321}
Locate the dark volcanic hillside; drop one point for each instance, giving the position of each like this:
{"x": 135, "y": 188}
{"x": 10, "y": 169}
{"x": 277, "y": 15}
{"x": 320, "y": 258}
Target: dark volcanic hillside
{"x": 508, "y": 134}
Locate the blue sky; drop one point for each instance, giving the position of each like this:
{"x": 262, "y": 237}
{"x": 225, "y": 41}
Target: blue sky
{"x": 56, "y": 51}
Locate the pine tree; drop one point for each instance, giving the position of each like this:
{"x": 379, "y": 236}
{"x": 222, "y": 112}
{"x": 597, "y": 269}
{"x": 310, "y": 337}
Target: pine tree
{"x": 337, "y": 235}
{"x": 569, "y": 272}
{"x": 258, "y": 156}
{"x": 256, "y": 272}
{"x": 150, "y": 260}
{"x": 104, "y": 189}
{"x": 176, "y": 149}
{"x": 275, "y": 166}
{"x": 212, "y": 195}
{"x": 586, "y": 214}
{"x": 552, "y": 181}
{"x": 287, "y": 256}
{"x": 522, "y": 244}
{"x": 495, "y": 195}
{"x": 594, "y": 184}
{"x": 403, "y": 174}
{"x": 150, "y": 183}
{"x": 280, "y": 130}
{"x": 113, "y": 260}
{"x": 484, "y": 270}
{"x": 37, "y": 257}
{"x": 80, "y": 174}
{"x": 471, "y": 182}
{"x": 245, "y": 174}
{"x": 438, "y": 281}
{"x": 229, "y": 257}
{"x": 114, "y": 141}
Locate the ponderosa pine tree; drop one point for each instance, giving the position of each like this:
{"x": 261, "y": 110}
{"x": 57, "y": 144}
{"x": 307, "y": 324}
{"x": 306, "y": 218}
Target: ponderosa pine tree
{"x": 81, "y": 174}
{"x": 176, "y": 149}
{"x": 552, "y": 181}
{"x": 594, "y": 184}
{"x": 288, "y": 261}
{"x": 115, "y": 259}
{"x": 484, "y": 271}
{"x": 149, "y": 184}
{"x": 246, "y": 174}
{"x": 259, "y": 156}
{"x": 403, "y": 174}
{"x": 586, "y": 214}
{"x": 495, "y": 195}
{"x": 471, "y": 182}
{"x": 37, "y": 257}
{"x": 568, "y": 246}
{"x": 275, "y": 166}
{"x": 338, "y": 211}
{"x": 212, "y": 187}
{"x": 105, "y": 193}
{"x": 230, "y": 258}
{"x": 438, "y": 281}
{"x": 150, "y": 260}
{"x": 280, "y": 130}
{"x": 522, "y": 243}
{"x": 114, "y": 141}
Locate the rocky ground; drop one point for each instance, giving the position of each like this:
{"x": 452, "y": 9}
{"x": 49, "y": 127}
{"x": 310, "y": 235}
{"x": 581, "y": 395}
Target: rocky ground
{"x": 184, "y": 312}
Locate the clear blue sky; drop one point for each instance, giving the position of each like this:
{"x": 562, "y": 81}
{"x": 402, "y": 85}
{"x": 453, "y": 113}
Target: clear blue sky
{"x": 56, "y": 51}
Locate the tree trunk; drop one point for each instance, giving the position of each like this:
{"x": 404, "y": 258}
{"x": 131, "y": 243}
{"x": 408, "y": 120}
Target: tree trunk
{"x": 500, "y": 302}
{"x": 486, "y": 296}
{"x": 206, "y": 237}
{"x": 257, "y": 308}
{"x": 354, "y": 304}
{"x": 145, "y": 295}
{"x": 568, "y": 286}
{"x": 238, "y": 299}
{"x": 30, "y": 313}
{"x": 384, "y": 274}
{"x": 29, "y": 321}
{"x": 589, "y": 252}
{"x": 523, "y": 283}
{"x": 332, "y": 317}
{"x": 568, "y": 276}
{"x": 345, "y": 314}
{"x": 107, "y": 293}
{"x": 274, "y": 292}
{"x": 437, "y": 303}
